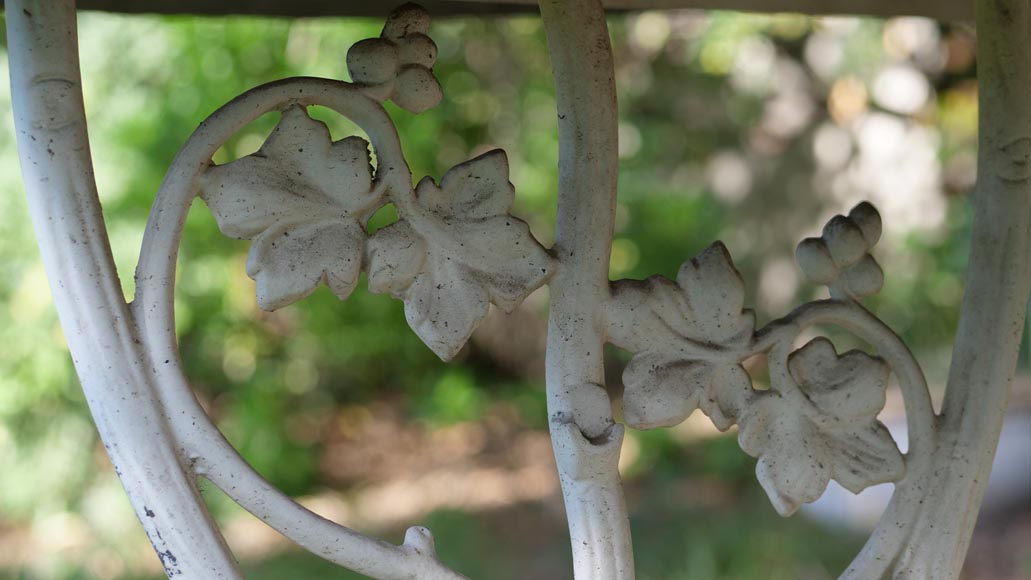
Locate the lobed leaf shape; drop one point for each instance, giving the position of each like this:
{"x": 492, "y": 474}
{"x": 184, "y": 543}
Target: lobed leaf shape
{"x": 302, "y": 199}
{"x": 800, "y": 448}
{"x": 457, "y": 250}
{"x": 687, "y": 337}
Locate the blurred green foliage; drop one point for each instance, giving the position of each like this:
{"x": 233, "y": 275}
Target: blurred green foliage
{"x": 705, "y": 100}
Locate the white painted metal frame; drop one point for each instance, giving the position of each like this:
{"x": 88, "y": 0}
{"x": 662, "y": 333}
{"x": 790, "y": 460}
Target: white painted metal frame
{"x": 303, "y": 200}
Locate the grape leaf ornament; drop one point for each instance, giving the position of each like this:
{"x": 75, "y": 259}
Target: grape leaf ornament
{"x": 687, "y": 336}
{"x": 303, "y": 200}
{"x": 457, "y": 250}
{"x": 834, "y": 433}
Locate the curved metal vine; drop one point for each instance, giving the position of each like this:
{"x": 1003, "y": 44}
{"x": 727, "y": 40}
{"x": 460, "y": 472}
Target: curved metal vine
{"x": 304, "y": 200}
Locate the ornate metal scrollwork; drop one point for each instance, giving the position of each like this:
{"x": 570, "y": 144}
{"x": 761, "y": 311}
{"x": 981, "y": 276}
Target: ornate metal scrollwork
{"x": 304, "y": 201}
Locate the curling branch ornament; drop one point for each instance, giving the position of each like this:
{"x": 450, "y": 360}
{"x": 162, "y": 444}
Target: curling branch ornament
{"x": 818, "y": 420}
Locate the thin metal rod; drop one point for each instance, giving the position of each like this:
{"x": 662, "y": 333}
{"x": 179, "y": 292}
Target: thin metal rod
{"x": 113, "y": 369}
{"x": 586, "y": 441}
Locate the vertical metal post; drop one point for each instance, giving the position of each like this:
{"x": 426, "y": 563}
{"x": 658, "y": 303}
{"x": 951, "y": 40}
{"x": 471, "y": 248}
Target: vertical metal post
{"x": 586, "y": 441}
{"x": 995, "y": 303}
{"x": 999, "y": 274}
